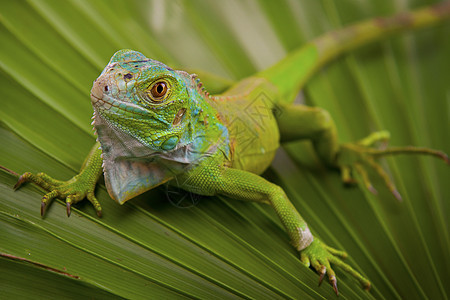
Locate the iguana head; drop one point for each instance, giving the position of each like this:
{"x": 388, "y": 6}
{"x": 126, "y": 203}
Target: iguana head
{"x": 146, "y": 99}
{"x": 152, "y": 123}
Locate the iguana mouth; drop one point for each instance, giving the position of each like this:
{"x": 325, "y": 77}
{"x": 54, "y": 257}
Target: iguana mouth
{"x": 115, "y": 106}
{"x": 96, "y": 98}
{"x": 106, "y": 102}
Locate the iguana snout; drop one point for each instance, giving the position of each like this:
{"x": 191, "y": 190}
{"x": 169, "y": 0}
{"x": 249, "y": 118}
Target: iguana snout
{"x": 97, "y": 90}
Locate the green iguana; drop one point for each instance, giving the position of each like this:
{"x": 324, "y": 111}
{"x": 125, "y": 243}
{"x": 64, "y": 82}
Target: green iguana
{"x": 157, "y": 125}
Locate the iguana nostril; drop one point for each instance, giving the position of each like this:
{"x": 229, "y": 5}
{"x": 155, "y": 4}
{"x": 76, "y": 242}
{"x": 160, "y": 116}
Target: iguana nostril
{"x": 106, "y": 88}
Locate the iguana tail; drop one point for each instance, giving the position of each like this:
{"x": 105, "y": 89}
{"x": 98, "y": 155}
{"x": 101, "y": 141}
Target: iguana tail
{"x": 304, "y": 62}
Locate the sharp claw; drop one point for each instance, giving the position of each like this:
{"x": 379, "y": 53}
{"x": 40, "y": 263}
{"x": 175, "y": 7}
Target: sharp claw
{"x": 99, "y": 213}
{"x": 372, "y": 189}
{"x": 397, "y": 195}
{"x": 17, "y": 185}
{"x": 43, "y": 206}
{"x": 68, "y": 206}
{"x": 322, "y": 274}
{"x": 367, "y": 286}
{"x": 19, "y": 182}
{"x": 333, "y": 282}
{"x": 321, "y": 278}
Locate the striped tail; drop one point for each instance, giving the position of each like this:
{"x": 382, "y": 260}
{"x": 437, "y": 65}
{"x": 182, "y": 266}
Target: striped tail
{"x": 304, "y": 62}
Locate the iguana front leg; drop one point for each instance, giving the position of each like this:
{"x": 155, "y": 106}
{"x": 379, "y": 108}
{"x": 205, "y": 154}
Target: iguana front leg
{"x": 302, "y": 122}
{"x": 243, "y": 185}
{"x": 73, "y": 190}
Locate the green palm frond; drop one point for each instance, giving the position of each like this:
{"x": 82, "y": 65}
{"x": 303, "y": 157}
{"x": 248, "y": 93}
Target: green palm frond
{"x": 50, "y": 53}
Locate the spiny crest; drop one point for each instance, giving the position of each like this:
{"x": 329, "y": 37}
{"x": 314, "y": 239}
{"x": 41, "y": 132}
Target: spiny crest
{"x": 93, "y": 123}
{"x": 199, "y": 85}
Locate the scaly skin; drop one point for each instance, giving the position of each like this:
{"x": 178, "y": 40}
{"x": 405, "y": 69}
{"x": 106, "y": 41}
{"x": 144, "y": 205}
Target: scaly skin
{"x": 158, "y": 125}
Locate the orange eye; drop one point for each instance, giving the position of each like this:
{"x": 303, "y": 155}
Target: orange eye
{"x": 158, "y": 91}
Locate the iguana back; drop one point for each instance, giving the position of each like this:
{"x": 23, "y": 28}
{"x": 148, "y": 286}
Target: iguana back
{"x": 248, "y": 111}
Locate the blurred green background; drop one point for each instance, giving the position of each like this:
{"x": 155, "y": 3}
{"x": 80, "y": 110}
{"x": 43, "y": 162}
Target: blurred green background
{"x": 50, "y": 53}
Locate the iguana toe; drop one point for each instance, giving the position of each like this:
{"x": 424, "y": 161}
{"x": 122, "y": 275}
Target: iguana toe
{"x": 72, "y": 190}
{"x": 359, "y": 157}
{"x": 321, "y": 256}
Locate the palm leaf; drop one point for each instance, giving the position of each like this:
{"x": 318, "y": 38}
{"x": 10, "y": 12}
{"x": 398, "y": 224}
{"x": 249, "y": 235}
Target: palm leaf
{"x": 52, "y": 51}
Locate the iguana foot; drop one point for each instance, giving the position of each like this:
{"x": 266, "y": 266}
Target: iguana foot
{"x": 74, "y": 190}
{"x": 358, "y": 156}
{"x": 320, "y": 256}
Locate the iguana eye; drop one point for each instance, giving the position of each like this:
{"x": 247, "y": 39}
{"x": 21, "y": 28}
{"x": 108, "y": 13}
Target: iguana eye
{"x": 158, "y": 91}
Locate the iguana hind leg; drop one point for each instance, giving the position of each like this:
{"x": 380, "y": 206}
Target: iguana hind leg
{"x": 297, "y": 122}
